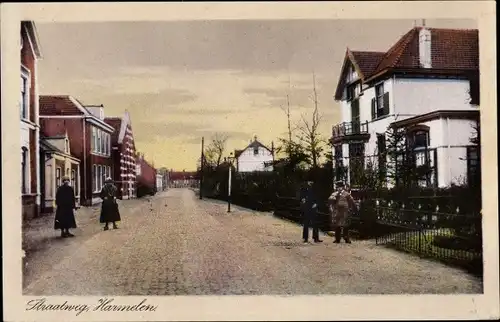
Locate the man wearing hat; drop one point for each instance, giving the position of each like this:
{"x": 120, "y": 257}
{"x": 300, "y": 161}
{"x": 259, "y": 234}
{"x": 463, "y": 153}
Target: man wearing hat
{"x": 65, "y": 203}
{"x": 340, "y": 202}
{"x": 309, "y": 206}
{"x": 109, "y": 207}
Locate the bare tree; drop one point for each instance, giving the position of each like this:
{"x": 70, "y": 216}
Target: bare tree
{"x": 309, "y": 133}
{"x": 215, "y": 150}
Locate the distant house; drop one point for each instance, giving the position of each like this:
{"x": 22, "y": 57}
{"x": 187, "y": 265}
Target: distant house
{"x": 182, "y": 179}
{"x": 123, "y": 154}
{"x": 255, "y": 157}
{"x": 57, "y": 162}
{"x": 89, "y": 137}
{"x": 30, "y": 126}
{"x": 427, "y": 84}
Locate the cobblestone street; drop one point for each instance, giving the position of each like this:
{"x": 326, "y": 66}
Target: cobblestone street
{"x": 176, "y": 244}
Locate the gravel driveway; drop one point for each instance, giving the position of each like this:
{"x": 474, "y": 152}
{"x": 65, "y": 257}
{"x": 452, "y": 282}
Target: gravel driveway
{"x": 176, "y": 244}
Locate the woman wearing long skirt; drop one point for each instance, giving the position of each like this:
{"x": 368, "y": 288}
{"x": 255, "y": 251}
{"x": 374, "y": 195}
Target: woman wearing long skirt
{"x": 65, "y": 203}
{"x": 109, "y": 208}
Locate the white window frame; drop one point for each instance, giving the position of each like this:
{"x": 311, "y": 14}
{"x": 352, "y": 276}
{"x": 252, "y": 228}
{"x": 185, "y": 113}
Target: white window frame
{"x": 99, "y": 141}
{"x": 25, "y": 75}
{"x": 94, "y": 139}
{"x": 379, "y": 99}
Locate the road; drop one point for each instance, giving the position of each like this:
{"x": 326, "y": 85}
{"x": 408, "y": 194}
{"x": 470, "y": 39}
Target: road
{"x": 176, "y": 244}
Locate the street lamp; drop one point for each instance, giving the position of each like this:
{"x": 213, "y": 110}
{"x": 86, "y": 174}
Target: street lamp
{"x": 230, "y": 165}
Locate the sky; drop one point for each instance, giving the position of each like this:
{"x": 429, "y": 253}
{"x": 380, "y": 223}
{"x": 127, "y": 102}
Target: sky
{"x": 184, "y": 80}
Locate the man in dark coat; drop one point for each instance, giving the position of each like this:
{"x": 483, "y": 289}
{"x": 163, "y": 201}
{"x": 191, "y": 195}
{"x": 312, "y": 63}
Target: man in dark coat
{"x": 308, "y": 204}
{"x": 109, "y": 208}
{"x": 65, "y": 203}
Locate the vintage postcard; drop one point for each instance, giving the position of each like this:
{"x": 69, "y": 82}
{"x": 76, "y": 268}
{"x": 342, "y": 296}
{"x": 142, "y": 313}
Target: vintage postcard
{"x": 249, "y": 161}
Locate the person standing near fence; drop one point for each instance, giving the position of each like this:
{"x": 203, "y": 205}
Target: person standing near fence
{"x": 109, "y": 208}
{"x": 309, "y": 206}
{"x": 65, "y": 203}
{"x": 340, "y": 202}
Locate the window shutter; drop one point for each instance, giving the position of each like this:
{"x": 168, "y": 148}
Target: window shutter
{"x": 374, "y": 109}
{"x": 386, "y": 104}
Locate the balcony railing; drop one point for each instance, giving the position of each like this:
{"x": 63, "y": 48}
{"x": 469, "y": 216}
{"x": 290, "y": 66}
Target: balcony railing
{"x": 349, "y": 128}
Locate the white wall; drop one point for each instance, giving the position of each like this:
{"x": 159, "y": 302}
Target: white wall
{"x": 452, "y": 150}
{"x": 248, "y": 162}
{"x": 413, "y": 96}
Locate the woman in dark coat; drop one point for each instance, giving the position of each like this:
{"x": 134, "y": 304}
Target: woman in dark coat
{"x": 65, "y": 203}
{"x": 109, "y": 208}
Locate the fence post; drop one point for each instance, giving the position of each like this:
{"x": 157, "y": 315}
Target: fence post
{"x": 419, "y": 231}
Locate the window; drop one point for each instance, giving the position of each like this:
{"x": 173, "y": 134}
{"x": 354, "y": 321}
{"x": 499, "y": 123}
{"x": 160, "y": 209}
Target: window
{"x": 420, "y": 139}
{"x": 99, "y": 141}
{"x": 256, "y": 151}
{"x": 352, "y": 92}
{"x": 94, "y": 176}
{"x": 24, "y": 100}
{"x": 380, "y": 103}
{"x": 99, "y": 177}
{"x": 24, "y": 170}
{"x": 58, "y": 177}
{"x": 94, "y": 139}
{"x": 67, "y": 146}
{"x": 108, "y": 144}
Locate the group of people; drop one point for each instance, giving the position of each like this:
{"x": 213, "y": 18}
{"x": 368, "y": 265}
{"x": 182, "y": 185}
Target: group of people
{"x": 66, "y": 205}
{"x": 340, "y": 204}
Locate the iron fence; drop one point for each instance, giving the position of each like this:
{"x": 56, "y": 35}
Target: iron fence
{"x": 413, "y": 226}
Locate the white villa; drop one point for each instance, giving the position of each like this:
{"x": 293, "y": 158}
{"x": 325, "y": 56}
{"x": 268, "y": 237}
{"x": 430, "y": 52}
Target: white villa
{"x": 255, "y": 157}
{"x": 428, "y": 84}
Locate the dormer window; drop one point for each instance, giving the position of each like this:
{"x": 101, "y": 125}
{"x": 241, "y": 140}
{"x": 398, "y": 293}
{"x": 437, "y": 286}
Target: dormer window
{"x": 352, "y": 92}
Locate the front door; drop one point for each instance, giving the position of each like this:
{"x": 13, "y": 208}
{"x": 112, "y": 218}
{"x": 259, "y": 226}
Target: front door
{"x": 356, "y": 163}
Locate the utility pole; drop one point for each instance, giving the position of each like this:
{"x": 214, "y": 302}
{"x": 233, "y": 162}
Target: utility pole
{"x": 202, "y": 164}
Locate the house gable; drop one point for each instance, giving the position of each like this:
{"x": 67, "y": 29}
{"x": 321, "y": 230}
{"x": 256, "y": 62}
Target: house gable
{"x": 453, "y": 52}
{"x": 358, "y": 64}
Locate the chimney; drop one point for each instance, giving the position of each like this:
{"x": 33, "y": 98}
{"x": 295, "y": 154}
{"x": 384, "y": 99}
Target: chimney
{"x": 424, "y": 47}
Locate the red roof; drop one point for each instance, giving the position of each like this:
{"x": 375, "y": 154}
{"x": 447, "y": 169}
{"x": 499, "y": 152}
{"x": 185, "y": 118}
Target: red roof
{"x": 455, "y": 50}
{"x": 367, "y": 61}
{"x": 58, "y": 105}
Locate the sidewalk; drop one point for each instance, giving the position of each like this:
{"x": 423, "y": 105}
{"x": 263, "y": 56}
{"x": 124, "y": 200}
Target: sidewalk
{"x": 43, "y": 247}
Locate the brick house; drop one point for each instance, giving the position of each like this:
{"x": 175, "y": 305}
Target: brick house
{"x": 427, "y": 86}
{"x": 123, "y": 154}
{"x": 56, "y": 162}
{"x": 30, "y": 127}
{"x": 146, "y": 176}
{"x": 89, "y": 137}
